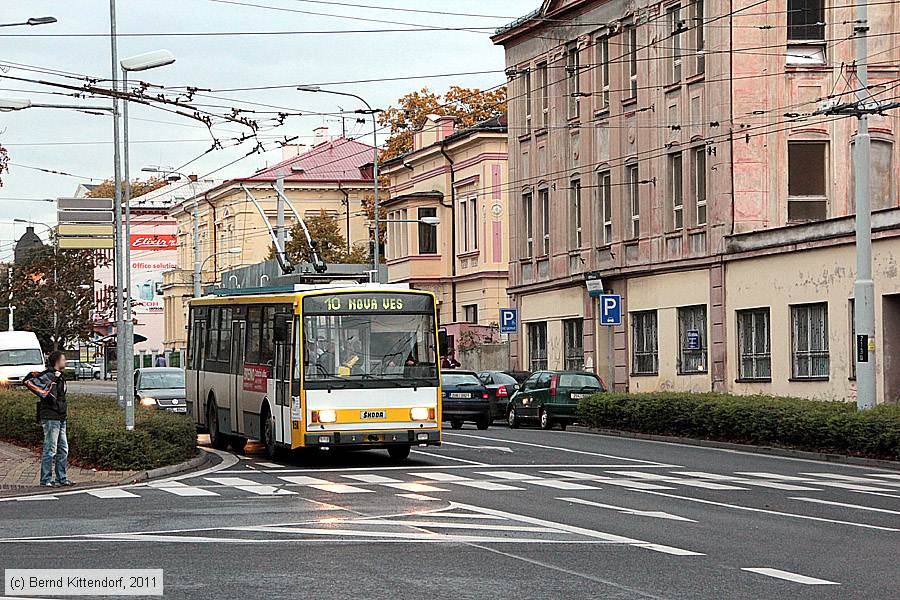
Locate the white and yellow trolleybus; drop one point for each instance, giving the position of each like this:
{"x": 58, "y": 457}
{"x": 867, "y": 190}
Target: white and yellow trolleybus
{"x": 324, "y": 367}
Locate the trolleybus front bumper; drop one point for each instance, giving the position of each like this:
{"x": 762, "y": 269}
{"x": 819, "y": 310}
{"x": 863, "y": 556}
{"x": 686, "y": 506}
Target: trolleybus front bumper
{"x": 373, "y": 439}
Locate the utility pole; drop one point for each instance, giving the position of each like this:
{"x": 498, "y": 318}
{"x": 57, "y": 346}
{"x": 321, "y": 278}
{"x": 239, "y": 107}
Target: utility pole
{"x": 11, "y": 308}
{"x": 121, "y": 378}
{"x": 279, "y": 212}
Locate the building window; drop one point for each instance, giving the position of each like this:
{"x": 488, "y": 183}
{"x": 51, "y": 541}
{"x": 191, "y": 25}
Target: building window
{"x": 537, "y": 346}
{"x": 753, "y": 345}
{"x": 692, "y": 340}
{"x": 633, "y": 60}
{"x": 573, "y": 89}
{"x": 634, "y": 200}
{"x": 676, "y": 190}
{"x": 604, "y": 192}
{"x": 882, "y": 188}
{"x": 463, "y": 226}
{"x": 574, "y": 345}
{"x": 676, "y": 27}
{"x": 470, "y": 313}
{"x": 528, "y": 225}
{"x": 544, "y": 94}
{"x": 468, "y": 225}
{"x": 645, "y": 356}
{"x": 809, "y": 341}
{"x": 601, "y": 50}
{"x": 806, "y": 20}
{"x": 698, "y": 184}
{"x": 544, "y": 200}
{"x": 529, "y": 99}
{"x": 575, "y": 214}
{"x": 699, "y": 25}
{"x": 473, "y": 221}
{"x": 807, "y": 181}
{"x": 427, "y": 233}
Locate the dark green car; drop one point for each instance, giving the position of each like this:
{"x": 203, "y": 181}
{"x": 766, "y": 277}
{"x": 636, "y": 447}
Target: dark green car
{"x": 551, "y": 397}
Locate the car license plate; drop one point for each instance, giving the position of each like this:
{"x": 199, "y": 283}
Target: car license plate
{"x": 372, "y": 414}
{"x": 579, "y": 396}
{"x": 178, "y": 409}
{"x": 460, "y": 395}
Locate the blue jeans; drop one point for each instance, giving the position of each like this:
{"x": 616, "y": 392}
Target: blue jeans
{"x": 56, "y": 446}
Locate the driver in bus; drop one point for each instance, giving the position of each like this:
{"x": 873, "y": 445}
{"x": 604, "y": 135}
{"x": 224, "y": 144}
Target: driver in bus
{"x": 325, "y": 361}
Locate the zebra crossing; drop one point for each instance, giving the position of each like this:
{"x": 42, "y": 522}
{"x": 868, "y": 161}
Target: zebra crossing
{"x": 425, "y": 483}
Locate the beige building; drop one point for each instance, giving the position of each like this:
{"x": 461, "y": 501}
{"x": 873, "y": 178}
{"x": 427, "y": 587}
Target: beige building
{"x": 334, "y": 176}
{"x": 655, "y": 146}
{"x": 458, "y": 177}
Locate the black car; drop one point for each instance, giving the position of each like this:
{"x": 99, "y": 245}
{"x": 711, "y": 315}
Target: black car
{"x": 464, "y": 399}
{"x": 500, "y": 386}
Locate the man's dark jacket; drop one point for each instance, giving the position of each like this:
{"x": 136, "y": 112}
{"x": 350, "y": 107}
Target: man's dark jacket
{"x": 50, "y": 388}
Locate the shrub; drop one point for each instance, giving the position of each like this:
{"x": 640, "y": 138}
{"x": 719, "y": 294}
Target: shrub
{"x": 760, "y": 420}
{"x": 96, "y": 432}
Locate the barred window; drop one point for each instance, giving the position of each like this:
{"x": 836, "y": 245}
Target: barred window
{"x": 537, "y": 346}
{"x": 809, "y": 337}
{"x": 573, "y": 330}
{"x": 645, "y": 355}
{"x": 754, "y": 344}
{"x": 692, "y": 340}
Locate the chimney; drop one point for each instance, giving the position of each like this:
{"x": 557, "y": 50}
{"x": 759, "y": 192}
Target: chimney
{"x": 435, "y": 129}
{"x": 321, "y": 134}
{"x": 193, "y": 178}
{"x": 289, "y": 151}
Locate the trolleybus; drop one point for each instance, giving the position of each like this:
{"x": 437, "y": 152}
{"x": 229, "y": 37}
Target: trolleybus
{"x": 350, "y": 367}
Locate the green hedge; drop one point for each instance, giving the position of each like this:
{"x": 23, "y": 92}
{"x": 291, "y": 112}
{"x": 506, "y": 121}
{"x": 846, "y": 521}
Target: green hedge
{"x": 96, "y": 432}
{"x": 761, "y": 420}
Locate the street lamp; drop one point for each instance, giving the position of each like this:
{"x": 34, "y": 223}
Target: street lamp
{"x": 370, "y": 111}
{"x": 32, "y": 22}
{"x": 139, "y": 62}
{"x": 14, "y": 104}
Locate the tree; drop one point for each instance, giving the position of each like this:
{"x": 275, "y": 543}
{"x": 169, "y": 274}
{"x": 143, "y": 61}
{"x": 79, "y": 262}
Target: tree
{"x": 54, "y": 295}
{"x": 325, "y": 230}
{"x": 468, "y": 105}
{"x": 106, "y": 188}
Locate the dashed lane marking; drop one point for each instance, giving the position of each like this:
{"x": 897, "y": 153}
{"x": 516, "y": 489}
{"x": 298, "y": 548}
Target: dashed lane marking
{"x": 658, "y": 514}
{"x": 846, "y": 505}
{"x": 248, "y": 485}
{"x": 324, "y": 485}
{"x": 112, "y": 493}
{"x": 181, "y": 489}
{"x": 788, "y": 576}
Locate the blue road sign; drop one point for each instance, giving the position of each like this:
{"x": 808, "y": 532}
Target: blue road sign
{"x": 509, "y": 320}
{"x": 610, "y": 309}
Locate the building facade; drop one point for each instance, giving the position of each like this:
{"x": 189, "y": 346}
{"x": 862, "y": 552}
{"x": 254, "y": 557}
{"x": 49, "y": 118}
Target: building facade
{"x": 674, "y": 150}
{"x": 333, "y": 175}
{"x": 457, "y": 176}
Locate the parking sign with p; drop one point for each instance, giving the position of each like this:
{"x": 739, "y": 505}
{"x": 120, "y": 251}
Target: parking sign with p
{"x": 509, "y": 320}
{"x": 610, "y": 309}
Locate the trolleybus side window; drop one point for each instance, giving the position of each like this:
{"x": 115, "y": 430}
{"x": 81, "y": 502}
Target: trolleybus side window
{"x": 212, "y": 338}
{"x": 254, "y": 332}
{"x": 267, "y": 345}
{"x": 225, "y": 335}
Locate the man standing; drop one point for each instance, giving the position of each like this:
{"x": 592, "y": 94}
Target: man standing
{"x": 50, "y": 388}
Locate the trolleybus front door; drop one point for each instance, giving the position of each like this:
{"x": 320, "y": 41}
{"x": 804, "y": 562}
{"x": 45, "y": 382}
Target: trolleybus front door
{"x": 238, "y": 349}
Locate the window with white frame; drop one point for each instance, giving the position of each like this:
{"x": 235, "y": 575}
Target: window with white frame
{"x": 601, "y": 60}
{"x": 537, "y": 346}
{"x": 754, "y": 352}
{"x": 692, "y": 340}
{"x": 529, "y": 99}
{"x": 463, "y": 226}
{"x": 573, "y": 87}
{"x": 644, "y": 353}
{"x": 698, "y": 24}
{"x": 474, "y": 221}
{"x": 698, "y": 184}
{"x": 573, "y": 342}
{"x": 470, "y": 313}
{"x": 631, "y": 35}
{"x": 575, "y": 214}
{"x": 676, "y": 190}
{"x": 675, "y": 27}
{"x": 805, "y": 32}
{"x": 807, "y": 181}
{"x": 527, "y": 225}
{"x": 543, "y": 93}
{"x": 544, "y": 201}
{"x": 427, "y": 233}
{"x": 604, "y": 195}
{"x": 809, "y": 341}
{"x": 634, "y": 200}
{"x": 468, "y": 224}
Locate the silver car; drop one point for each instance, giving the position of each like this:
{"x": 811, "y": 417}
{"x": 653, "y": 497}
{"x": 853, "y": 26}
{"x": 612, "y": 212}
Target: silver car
{"x": 160, "y": 387}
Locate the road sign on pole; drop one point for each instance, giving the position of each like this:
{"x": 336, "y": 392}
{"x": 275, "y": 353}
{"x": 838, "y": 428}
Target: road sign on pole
{"x": 509, "y": 320}
{"x": 610, "y": 309}
{"x": 85, "y": 223}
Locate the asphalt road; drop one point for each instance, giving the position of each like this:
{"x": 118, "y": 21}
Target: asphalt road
{"x": 498, "y": 514}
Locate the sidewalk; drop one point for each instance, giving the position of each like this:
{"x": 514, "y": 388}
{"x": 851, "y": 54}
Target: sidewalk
{"x": 20, "y": 470}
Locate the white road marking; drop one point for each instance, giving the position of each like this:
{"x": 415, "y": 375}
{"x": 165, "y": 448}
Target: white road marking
{"x": 445, "y": 467}
{"x": 560, "y": 484}
{"x": 845, "y": 505}
{"x": 888, "y": 475}
{"x": 269, "y": 465}
{"x": 773, "y": 476}
{"x": 854, "y": 479}
{"x": 370, "y": 478}
{"x": 181, "y": 489}
{"x": 455, "y": 515}
{"x": 639, "y": 485}
{"x": 248, "y": 485}
{"x": 414, "y": 487}
{"x": 498, "y": 448}
{"x": 557, "y": 448}
{"x": 630, "y": 511}
{"x": 445, "y": 457}
{"x": 688, "y": 482}
{"x": 454, "y": 525}
{"x": 787, "y": 575}
{"x": 854, "y": 487}
{"x": 510, "y": 475}
{"x": 792, "y": 487}
{"x": 417, "y": 497}
{"x": 449, "y": 477}
{"x": 769, "y": 512}
{"x": 112, "y": 493}
{"x": 32, "y": 498}
{"x": 491, "y": 486}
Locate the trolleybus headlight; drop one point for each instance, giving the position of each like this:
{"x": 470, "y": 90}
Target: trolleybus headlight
{"x": 324, "y": 416}
{"x": 148, "y": 401}
{"x": 421, "y": 413}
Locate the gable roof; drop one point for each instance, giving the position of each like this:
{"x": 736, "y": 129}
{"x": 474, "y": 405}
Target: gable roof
{"x": 340, "y": 160}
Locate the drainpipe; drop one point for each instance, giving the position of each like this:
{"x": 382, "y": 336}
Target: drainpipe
{"x": 452, "y": 230}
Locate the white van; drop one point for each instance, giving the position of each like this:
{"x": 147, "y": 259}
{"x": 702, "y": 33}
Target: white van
{"x": 20, "y": 354}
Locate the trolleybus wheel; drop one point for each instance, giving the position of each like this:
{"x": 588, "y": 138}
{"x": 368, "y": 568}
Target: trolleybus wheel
{"x": 216, "y": 437}
{"x": 399, "y": 452}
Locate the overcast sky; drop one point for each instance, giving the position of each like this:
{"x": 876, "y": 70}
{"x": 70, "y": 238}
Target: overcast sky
{"x": 80, "y": 144}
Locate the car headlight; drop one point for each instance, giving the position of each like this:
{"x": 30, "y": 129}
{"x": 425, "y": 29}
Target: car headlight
{"x": 324, "y": 416}
{"x": 148, "y": 401}
{"x": 421, "y": 413}
{"x": 526, "y": 401}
